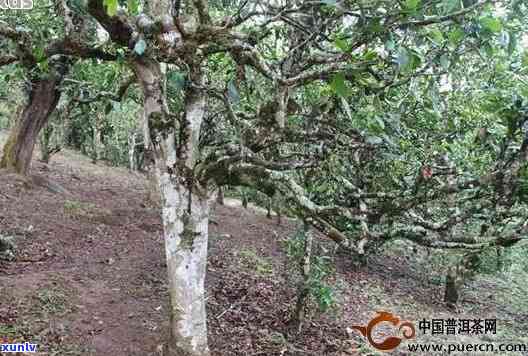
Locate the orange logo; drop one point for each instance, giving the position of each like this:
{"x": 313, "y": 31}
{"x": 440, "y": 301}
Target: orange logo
{"x": 392, "y": 342}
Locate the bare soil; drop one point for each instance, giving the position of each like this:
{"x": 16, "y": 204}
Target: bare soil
{"x": 89, "y": 275}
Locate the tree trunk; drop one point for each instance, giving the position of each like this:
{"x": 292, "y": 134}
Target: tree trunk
{"x": 97, "y": 139}
{"x": 500, "y": 262}
{"x": 185, "y": 221}
{"x": 304, "y": 286}
{"x": 220, "y": 196}
{"x": 451, "y": 287}
{"x": 43, "y": 99}
{"x": 185, "y": 209}
{"x": 244, "y": 198}
{"x": 132, "y": 161}
{"x": 45, "y": 149}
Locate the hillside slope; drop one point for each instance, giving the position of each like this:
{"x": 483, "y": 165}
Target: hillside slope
{"x": 89, "y": 276}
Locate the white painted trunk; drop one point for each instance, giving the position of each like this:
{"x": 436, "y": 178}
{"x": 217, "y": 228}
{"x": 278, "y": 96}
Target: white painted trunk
{"x": 185, "y": 222}
{"x": 185, "y": 212}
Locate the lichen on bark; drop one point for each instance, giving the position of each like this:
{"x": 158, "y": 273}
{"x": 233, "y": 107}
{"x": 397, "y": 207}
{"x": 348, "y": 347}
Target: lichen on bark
{"x": 188, "y": 233}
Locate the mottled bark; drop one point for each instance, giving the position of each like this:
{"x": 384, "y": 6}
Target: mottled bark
{"x": 43, "y": 99}
{"x": 304, "y": 285}
{"x": 185, "y": 209}
{"x": 185, "y": 221}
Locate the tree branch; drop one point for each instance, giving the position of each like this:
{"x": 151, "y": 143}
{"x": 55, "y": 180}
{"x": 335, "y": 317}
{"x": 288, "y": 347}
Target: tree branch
{"x": 119, "y": 29}
{"x": 7, "y": 59}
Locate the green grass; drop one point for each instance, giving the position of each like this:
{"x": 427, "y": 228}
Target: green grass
{"x": 52, "y": 300}
{"x": 261, "y": 265}
{"x": 77, "y": 209}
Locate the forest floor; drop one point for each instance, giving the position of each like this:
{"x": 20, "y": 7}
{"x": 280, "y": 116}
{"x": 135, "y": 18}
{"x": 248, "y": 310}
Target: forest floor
{"x": 88, "y": 277}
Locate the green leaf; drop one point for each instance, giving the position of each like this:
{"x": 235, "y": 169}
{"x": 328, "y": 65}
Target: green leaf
{"x": 370, "y": 55}
{"x": 390, "y": 45}
{"x": 232, "y": 93}
{"x": 416, "y": 60}
{"x": 450, "y": 6}
{"x": 436, "y": 36}
{"x": 488, "y": 49}
{"x": 339, "y": 86}
{"x": 374, "y": 26}
{"x": 411, "y": 5}
{"x": 407, "y": 59}
{"x": 492, "y": 24}
{"x": 111, "y": 7}
{"x": 140, "y": 47}
{"x": 39, "y": 53}
{"x": 455, "y": 36}
{"x": 43, "y": 65}
{"x": 342, "y": 44}
{"x": 444, "y": 61}
{"x": 133, "y": 7}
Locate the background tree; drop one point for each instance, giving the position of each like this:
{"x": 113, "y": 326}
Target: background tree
{"x": 42, "y": 47}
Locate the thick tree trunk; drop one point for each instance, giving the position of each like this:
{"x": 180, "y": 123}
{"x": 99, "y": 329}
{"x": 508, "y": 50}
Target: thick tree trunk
{"x": 19, "y": 147}
{"x": 185, "y": 221}
{"x": 185, "y": 209}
